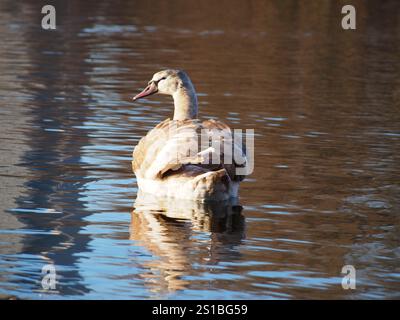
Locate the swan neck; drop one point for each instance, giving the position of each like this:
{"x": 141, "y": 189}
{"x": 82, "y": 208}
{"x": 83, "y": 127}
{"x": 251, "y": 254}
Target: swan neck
{"x": 185, "y": 102}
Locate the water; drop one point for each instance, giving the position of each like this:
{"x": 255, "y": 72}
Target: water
{"x": 325, "y": 192}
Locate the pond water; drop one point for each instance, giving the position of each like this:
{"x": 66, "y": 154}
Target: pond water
{"x": 324, "y": 104}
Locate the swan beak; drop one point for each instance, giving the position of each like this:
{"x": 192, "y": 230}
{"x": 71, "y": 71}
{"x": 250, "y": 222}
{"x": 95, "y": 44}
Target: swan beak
{"x": 148, "y": 91}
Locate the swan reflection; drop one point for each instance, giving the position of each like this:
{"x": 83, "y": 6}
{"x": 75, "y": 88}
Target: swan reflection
{"x": 184, "y": 237}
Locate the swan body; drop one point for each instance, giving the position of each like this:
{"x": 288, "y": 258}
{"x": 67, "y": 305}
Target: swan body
{"x": 168, "y": 161}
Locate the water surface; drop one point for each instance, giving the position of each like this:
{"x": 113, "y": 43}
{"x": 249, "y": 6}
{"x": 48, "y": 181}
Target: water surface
{"x": 325, "y": 192}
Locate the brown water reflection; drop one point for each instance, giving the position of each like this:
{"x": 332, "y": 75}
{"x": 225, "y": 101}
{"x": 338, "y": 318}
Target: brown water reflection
{"x": 183, "y": 234}
{"x": 324, "y": 104}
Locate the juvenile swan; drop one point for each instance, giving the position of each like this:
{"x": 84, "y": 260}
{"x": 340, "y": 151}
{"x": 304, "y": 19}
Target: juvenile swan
{"x": 170, "y": 160}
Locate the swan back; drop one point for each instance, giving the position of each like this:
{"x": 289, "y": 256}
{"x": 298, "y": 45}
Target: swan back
{"x": 174, "y": 150}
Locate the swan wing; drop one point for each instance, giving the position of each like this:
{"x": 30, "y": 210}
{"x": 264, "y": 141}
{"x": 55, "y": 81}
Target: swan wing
{"x": 177, "y": 147}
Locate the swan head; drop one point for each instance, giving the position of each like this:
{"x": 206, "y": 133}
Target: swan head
{"x": 166, "y": 82}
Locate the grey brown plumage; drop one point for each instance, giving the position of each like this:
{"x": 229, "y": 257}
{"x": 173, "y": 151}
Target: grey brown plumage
{"x": 154, "y": 147}
{"x": 175, "y": 159}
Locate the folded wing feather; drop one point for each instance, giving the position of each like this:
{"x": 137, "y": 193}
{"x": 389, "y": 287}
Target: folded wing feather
{"x": 174, "y": 147}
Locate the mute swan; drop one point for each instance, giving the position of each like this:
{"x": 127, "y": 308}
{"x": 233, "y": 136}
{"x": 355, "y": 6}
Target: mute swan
{"x": 167, "y": 161}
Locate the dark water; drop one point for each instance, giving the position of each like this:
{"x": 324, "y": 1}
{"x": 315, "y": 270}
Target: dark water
{"x": 325, "y": 106}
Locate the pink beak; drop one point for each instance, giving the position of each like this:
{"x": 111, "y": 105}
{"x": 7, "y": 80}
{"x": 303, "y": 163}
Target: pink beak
{"x": 148, "y": 91}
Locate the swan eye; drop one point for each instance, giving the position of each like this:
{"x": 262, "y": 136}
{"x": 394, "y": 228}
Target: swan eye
{"x": 157, "y": 81}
